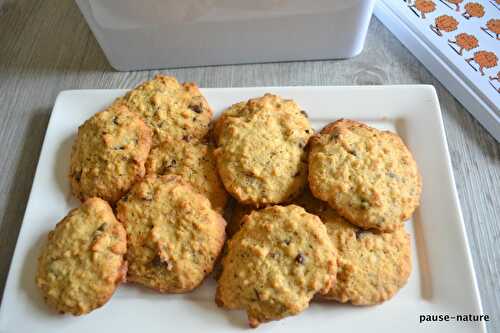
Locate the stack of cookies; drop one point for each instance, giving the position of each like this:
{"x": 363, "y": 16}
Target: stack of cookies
{"x": 314, "y": 214}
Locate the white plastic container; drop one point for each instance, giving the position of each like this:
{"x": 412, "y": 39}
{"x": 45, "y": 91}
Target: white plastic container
{"x": 177, "y": 33}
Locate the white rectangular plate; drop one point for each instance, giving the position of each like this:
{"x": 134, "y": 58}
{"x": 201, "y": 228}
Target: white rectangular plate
{"x": 442, "y": 281}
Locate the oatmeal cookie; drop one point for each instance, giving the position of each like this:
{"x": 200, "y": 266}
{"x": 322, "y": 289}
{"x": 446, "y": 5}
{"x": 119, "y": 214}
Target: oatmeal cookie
{"x": 368, "y": 176}
{"x": 109, "y": 154}
{"x": 169, "y": 108}
{"x": 83, "y": 261}
{"x": 373, "y": 265}
{"x": 261, "y": 155}
{"x": 276, "y": 263}
{"x": 174, "y": 235}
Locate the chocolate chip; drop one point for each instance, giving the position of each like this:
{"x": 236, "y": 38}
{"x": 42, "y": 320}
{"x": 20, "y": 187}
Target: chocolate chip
{"x": 299, "y": 259}
{"x": 364, "y": 203}
{"x": 304, "y": 113}
{"x": 249, "y": 173}
{"x": 159, "y": 262}
{"x": 360, "y": 233}
{"x": 78, "y": 176}
{"x": 308, "y": 131}
{"x": 156, "y": 262}
{"x": 186, "y": 138}
{"x": 166, "y": 166}
{"x": 125, "y": 197}
{"x": 115, "y": 120}
{"x": 196, "y": 108}
{"x": 301, "y": 145}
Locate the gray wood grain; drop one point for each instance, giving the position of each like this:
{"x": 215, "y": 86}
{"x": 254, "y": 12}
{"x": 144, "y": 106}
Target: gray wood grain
{"x": 46, "y": 47}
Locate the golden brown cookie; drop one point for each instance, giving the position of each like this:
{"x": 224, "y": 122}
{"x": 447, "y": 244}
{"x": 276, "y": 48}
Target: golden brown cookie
{"x": 174, "y": 235}
{"x": 194, "y": 162}
{"x": 369, "y": 176}
{"x": 234, "y": 110}
{"x": 261, "y": 155}
{"x": 169, "y": 108}
{"x": 108, "y": 155}
{"x": 82, "y": 263}
{"x": 276, "y": 263}
{"x": 372, "y": 266}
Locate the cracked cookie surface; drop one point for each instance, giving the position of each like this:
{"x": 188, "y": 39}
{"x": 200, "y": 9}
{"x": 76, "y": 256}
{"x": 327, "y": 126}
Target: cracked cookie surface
{"x": 261, "y": 155}
{"x": 83, "y": 261}
{"x": 279, "y": 259}
{"x": 109, "y": 154}
{"x": 170, "y": 108}
{"x": 174, "y": 236}
{"x": 369, "y": 176}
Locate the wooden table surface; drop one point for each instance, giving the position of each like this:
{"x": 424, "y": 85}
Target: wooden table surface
{"x": 46, "y": 47}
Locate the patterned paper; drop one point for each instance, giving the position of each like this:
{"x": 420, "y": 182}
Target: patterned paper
{"x": 468, "y": 35}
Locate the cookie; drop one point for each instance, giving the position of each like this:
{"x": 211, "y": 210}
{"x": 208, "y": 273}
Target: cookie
{"x": 83, "y": 261}
{"x": 169, "y": 108}
{"x": 276, "y": 263}
{"x": 174, "y": 235}
{"x": 234, "y": 110}
{"x": 109, "y": 154}
{"x": 194, "y": 162}
{"x": 261, "y": 155}
{"x": 372, "y": 266}
{"x": 369, "y": 176}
